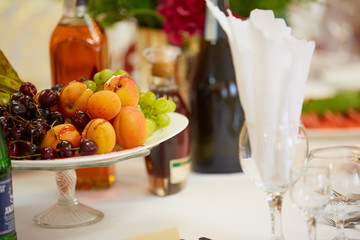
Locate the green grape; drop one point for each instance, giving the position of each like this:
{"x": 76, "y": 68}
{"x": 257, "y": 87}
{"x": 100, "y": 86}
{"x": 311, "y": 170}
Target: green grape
{"x": 91, "y": 84}
{"x": 97, "y": 78}
{"x": 121, "y": 73}
{"x": 163, "y": 120}
{"x": 105, "y": 75}
{"x": 160, "y": 105}
{"x": 98, "y": 87}
{"x": 151, "y": 125}
{"x": 147, "y": 99}
{"x": 171, "y": 106}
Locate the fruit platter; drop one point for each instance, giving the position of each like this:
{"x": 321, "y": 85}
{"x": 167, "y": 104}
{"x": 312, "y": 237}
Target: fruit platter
{"x": 177, "y": 124}
{"x": 337, "y": 115}
{"x": 84, "y": 123}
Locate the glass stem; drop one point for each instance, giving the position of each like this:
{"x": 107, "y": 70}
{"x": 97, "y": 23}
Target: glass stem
{"x": 311, "y": 224}
{"x": 66, "y": 181}
{"x": 340, "y": 233}
{"x": 275, "y": 205}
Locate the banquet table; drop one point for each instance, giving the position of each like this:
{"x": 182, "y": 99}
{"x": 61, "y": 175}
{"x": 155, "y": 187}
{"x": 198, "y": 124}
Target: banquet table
{"x": 216, "y": 206}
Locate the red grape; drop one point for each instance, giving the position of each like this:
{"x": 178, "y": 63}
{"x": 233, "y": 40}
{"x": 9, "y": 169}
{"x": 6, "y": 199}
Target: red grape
{"x": 80, "y": 119}
{"x": 87, "y": 147}
{"x": 48, "y": 153}
{"x": 28, "y": 89}
{"x": 48, "y": 98}
{"x": 64, "y": 149}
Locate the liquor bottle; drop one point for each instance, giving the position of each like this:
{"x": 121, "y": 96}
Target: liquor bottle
{"x": 78, "y": 45}
{"x": 216, "y": 112}
{"x": 168, "y": 164}
{"x": 7, "y": 221}
{"x": 79, "y": 48}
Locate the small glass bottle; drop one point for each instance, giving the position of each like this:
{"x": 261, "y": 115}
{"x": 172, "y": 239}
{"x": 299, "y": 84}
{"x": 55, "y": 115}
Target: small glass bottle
{"x": 168, "y": 164}
{"x": 7, "y": 216}
{"x": 79, "y": 48}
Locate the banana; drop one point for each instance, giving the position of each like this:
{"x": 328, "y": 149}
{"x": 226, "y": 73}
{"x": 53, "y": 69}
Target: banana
{"x": 4, "y": 98}
{"x": 9, "y": 83}
{"x": 7, "y": 70}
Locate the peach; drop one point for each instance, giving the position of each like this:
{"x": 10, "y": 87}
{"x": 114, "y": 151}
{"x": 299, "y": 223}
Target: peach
{"x": 125, "y": 87}
{"x": 131, "y": 127}
{"x": 102, "y": 133}
{"x": 64, "y": 131}
{"x": 73, "y": 97}
{"x": 103, "y": 104}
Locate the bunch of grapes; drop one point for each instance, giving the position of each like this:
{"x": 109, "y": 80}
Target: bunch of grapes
{"x": 156, "y": 110}
{"x": 26, "y": 119}
{"x": 101, "y": 77}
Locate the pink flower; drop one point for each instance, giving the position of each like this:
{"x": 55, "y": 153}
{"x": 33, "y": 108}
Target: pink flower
{"x": 185, "y": 16}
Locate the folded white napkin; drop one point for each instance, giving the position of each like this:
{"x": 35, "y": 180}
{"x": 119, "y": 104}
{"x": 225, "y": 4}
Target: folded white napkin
{"x": 271, "y": 68}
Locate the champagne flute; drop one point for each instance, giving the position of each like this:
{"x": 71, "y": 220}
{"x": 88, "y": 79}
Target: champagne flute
{"x": 266, "y": 156}
{"x": 344, "y": 165}
{"x": 310, "y": 192}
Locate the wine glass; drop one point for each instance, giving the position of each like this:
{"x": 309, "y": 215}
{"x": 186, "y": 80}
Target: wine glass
{"x": 344, "y": 165}
{"x": 310, "y": 192}
{"x": 266, "y": 155}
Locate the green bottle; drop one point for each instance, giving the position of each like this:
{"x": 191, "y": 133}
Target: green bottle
{"x": 7, "y": 216}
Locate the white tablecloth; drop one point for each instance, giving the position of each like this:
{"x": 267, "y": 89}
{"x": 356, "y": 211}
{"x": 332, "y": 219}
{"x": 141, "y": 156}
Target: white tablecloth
{"x": 221, "y": 207}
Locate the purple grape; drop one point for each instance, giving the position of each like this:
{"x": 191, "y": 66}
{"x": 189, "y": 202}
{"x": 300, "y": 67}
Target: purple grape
{"x": 56, "y": 117}
{"x": 28, "y": 89}
{"x": 41, "y": 113}
{"x": 28, "y": 149}
{"x": 80, "y": 120}
{"x": 57, "y": 87}
{"x": 48, "y": 153}
{"x": 2, "y": 110}
{"x": 29, "y": 103}
{"x": 37, "y": 135}
{"x": 17, "y": 133}
{"x": 87, "y": 147}
{"x": 48, "y": 98}
{"x": 17, "y": 109}
{"x": 17, "y": 96}
{"x": 13, "y": 149}
{"x": 64, "y": 149}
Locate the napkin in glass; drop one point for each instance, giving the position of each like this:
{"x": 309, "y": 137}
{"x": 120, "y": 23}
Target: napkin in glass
{"x": 271, "y": 68}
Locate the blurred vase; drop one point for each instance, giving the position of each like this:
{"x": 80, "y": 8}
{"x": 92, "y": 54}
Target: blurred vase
{"x": 149, "y": 37}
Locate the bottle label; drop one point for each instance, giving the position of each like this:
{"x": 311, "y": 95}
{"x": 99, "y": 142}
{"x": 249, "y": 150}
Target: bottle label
{"x": 7, "y": 222}
{"x": 179, "y": 170}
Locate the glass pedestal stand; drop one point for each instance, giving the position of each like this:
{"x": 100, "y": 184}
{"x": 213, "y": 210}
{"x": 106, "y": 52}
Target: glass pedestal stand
{"x": 68, "y": 212}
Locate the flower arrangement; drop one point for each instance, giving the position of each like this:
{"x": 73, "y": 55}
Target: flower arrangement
{"x": 178, "y": 18}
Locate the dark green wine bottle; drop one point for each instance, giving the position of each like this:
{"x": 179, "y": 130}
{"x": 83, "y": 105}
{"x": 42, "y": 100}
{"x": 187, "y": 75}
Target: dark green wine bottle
{"x": 7, "y": 216}
{"x": 216, "y": 112}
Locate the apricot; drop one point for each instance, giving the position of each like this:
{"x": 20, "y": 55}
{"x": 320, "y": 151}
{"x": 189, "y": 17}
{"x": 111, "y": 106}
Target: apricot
{"x": 73, "y": 97}
{"x": 64, "y": 131}
{"x": 125, "y": 87}
{"x": 102, "y": 133}
{"x": 103, "y": 104}
{"x": 131, "y": 127}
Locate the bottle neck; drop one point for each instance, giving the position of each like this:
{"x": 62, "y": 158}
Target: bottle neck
{"x": 75, "y": 9}
{"x": 212, "y": 30}
{"x": 4, "y": 156}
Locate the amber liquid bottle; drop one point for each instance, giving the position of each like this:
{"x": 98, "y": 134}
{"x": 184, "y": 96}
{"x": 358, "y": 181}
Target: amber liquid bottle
{"x": 216, "y": 112}
{"x": 79, "y": 48}
{"x": 168, "y": 164}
